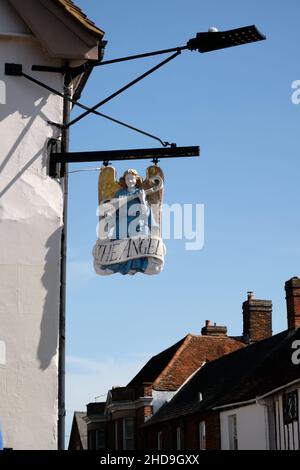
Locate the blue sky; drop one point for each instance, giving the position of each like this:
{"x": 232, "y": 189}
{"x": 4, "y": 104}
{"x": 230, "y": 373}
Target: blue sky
{"x": 236, "y": 104}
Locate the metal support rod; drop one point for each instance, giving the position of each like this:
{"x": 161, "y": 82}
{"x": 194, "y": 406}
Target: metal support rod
{"x": 203, "y": 42}
{"x": 63, "y": 271}
{"x": 133, "y": 82}
{"x": 141, "y": 56}
{"x": 97, "y": 113}
{"x": 82, "y": 68}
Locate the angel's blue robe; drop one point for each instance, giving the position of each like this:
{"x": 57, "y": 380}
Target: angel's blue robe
{"x": 143, "y": 227}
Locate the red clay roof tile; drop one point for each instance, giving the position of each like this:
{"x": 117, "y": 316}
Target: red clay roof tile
{"x": 80, "y": 16}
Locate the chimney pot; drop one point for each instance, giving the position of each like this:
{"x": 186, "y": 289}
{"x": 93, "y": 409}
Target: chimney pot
{"x": 250, "y": 295}
{"x": 213, "y": 330}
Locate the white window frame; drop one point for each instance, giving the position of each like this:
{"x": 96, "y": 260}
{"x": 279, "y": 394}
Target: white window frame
{"x": 179, "y": 438}
{"x": 232, "y": 432}
{"x": 202, "y": 435}
{"x": 159, "y": 440}
{"x": 128, "y": 438}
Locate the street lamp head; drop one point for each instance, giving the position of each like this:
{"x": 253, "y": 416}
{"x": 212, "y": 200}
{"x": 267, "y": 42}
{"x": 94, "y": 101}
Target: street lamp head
{"x": 207, "y": 42}
{"x": 213, "y": 29}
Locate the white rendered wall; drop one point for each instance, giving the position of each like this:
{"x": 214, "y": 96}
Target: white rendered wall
{"x": 30, "y": 231}
{"x": 9, "y": 22}
{"x": 251, "y": 428}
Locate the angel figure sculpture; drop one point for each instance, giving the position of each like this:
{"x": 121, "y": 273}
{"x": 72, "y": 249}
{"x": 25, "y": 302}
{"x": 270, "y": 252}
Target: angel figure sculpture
{"x": 129, "y": 230}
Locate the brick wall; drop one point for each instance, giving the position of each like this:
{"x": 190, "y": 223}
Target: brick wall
{"x": 190, "y": 428}
{"x": 141, "y": 416}
{"x": 257, "y": 315}
{"x": 292, "y": 288}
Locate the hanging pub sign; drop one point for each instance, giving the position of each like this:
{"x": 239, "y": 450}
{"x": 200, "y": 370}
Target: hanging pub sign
{"x": 129, "y": 230}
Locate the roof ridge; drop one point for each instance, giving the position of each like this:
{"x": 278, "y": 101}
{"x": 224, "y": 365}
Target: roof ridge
{"x": 234, "y": 338}
{"x": 166, "y": 351}
{"x": 187, "y": 340}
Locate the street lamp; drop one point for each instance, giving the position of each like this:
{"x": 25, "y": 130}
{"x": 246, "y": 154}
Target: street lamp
{"x": 214, "y": 40}
{"x": 203, "y": 42}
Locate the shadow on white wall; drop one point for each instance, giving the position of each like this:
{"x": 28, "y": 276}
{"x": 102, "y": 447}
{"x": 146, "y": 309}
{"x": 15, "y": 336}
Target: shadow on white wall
{"x": 48, "y": 343}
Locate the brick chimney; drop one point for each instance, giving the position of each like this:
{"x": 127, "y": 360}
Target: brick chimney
{"x": 257, "y": 315}
{"x": 292, "y": 290}
{"x": 213, "y": 330}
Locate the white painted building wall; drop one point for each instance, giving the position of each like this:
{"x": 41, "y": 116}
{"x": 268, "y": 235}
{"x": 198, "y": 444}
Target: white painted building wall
{"x": 30, "y": 231}
{"x": 286, "y": 435}
{"x": 252, "y": 427}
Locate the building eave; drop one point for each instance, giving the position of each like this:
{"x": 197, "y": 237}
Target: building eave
{"x": 129, "y": 405}
{"x": 278, "y": 389}
{"x": 252, "y": 401}
{"x": 62, "y": 34}
{"x": 258, "y": 398}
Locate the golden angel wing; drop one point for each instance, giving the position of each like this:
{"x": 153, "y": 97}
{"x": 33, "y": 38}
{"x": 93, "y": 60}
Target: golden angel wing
{"x": 154, "y": 175}
{"x": 108, "y": 184}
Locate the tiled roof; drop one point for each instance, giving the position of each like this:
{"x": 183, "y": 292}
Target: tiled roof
{"x": 78, "y": 15}
{"x": 193, "y": 353}
{"x": 237, "y": 377}
{"x": 82, "y": 428}
{"x": 156, "y": 365}
{"x": 170, "y": 368}
{"x": 78, "y": 431}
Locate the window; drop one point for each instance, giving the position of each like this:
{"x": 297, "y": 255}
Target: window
{"x": 290, "y": 407}
{"x": 116, "y": 436}
{"x": 232, "y": 430}
{"x": 128, "y": 434}
{"x": 159, "y": 441}
{"x": 179, "y": 438}
{"x": 100, "y": 439}
{"x": 91, "y": 440}
{"x": 202, "y": 435}
{"x": 96, "y": 439}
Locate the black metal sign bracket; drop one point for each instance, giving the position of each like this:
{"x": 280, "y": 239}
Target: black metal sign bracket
{"x": 57, "y": 158}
